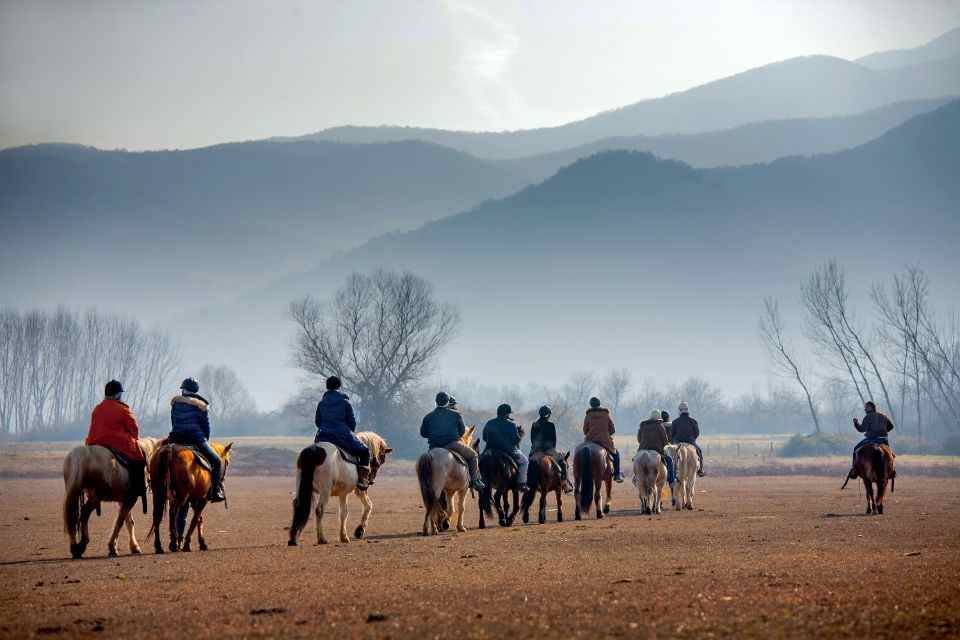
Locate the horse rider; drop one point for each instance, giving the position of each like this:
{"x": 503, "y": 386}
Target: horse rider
{"x": 336, "y": 424}
{"x": 503, "y": 434}
{"x": 598, "y": 428}
{"x": 113, "y": 426}
{"x": 190, "y": 426}
{"x": 653, "y": 436}
{"x": 452, "y": 404}
{"x": 875, "y": 427}
{"x": 543, "y": 439}
{"x": 686, "y": 430}
{"x": 443, "y": 427}
{"x": 666, "y": 423}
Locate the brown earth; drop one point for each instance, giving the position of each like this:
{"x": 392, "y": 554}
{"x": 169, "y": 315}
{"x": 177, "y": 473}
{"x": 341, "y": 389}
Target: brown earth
{"x": 761, "y": 557}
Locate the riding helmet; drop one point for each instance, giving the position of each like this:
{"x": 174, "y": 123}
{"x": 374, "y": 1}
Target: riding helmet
{"x": 655, "y": 415}
{"x": 664, "y": 416}
{"x": 504, "y": 410}
{"x": 112, "y": 388}
{"x": 442, "y": 398}
{"x": 683, "y": 408}
{"x": 594, "y": 403}
{"x": 545, "y": 411}
{"x": 333, "y": 383}
{"x": 190, "y": 386}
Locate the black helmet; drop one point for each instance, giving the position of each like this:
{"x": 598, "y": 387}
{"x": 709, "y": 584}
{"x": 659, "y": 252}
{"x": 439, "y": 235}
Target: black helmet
{"x": 190, "y": 385}
{"x": 451, "y": 402}
{"x": 333, "y": 383}
{"x": 594, "y": 403}
{"x": 545, "y": 411}
{"x": 112, "y": 388}
{"x": 664, "y": 416}
{"x": 442, "y": 399}
{"x": 504, "y": 410}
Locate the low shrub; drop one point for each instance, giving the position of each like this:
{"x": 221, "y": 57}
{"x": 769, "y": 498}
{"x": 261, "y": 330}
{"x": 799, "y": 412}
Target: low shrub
{"x": 817, "y": 444}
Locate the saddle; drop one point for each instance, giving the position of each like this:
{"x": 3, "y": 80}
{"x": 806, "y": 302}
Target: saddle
{"x": 122, "y": 460}
{"x": 197, "y": 454}
{"x": 349, "y": 457}
{"x": 138, "y": 483}
{"x": 502, "y": 457}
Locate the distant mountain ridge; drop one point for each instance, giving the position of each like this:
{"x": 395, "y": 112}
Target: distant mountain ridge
{"x": 944, "y": 47}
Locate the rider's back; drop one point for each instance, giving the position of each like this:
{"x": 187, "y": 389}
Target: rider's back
{"x": 441, "y": 427}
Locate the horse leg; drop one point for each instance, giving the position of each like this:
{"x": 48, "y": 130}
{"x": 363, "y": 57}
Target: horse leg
{"x": 542, "y": 511}
{"x": 131, "y": 532}
{"x": 201, "y": 541}
{"x": 598, "y": 499}
{"x": 881, "y": 492}
{"x": 868, "y": 486}
{"x": 576, "y": 501}
{"x": 194, "y": 522}
{"x": 342, "y": 512}
{"x": 321, "y": 506}
{"x": 516, "y": 506}
{"x": 117, "y": 525}
{"x": 606, "y": 504}
{"x": 498, "y": 503}
{"x": 85, "y": 512}
{"x": 460, "y": 497}
{"x": 175, "y": 506}
{"x": 365, "y": 518}
{"x": 559, "y": 493}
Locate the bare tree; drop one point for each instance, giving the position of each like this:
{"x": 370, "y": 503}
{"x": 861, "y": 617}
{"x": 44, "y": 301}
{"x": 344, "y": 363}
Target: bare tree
{"x": 615, "y": 386}
{"x": 781, "y": 355}
{"x": 381, "y": 334}
{"x": 229, "y": 399}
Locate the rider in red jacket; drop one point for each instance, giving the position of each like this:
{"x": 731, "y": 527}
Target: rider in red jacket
{"x": 112, "y": 425}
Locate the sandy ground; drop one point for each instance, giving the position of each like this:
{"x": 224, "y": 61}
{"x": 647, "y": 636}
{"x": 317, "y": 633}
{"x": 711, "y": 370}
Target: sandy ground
{"x": 760, "y": 557}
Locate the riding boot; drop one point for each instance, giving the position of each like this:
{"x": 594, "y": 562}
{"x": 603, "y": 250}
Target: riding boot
{"x": 363, "y": 478}
{"x": 473, "y": 464}
{"x": 216, "y": 491}
{"x": 617, "y": 476}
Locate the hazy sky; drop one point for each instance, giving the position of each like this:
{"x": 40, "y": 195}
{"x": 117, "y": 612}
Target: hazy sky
{"x": 183, "y": 74}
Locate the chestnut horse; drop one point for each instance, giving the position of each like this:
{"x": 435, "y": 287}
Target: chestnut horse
{"x": 444, "y": 483}
{"x": 592, "y": 467}
{"x": 91, "y": 476}
{"x": 322, "y": 472}
{"x": 501, "y": 478}
{"x": 874, "y": 464}
{"x": 176, "y": 476}
{"x": 544, "y": 476}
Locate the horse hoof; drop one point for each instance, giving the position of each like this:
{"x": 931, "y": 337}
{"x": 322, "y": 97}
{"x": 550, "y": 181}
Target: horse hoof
{"x": 187, "y": 549}
{"x": 344, "y": 540}
{"x": 445, "y": 525}
{"x": 600, "y": 516}
{"x": 542, "y": 519}
{"x": 203, "y": 546}
{"x": 322, "y": 542}
{"x": 291, "y": 543}
{"x": 577, "y": 517}
{"x": 173, "y": 547}
{"x": 112, "y": 553}
{"x": 503, "y": 523}
{"x": 526, "y": 518}
{"x": 559, "y": 517}
{"x": 135, "y": 552}
{"x": 462, "y": 529}
{"x": 482, "y": 526}
{"x": 880, "y": 509}
{"x": 358, "y": 533}
{"x": 158, "y": 549}
{"x": 76, "y": 550}
{"x": 606, "y": 508}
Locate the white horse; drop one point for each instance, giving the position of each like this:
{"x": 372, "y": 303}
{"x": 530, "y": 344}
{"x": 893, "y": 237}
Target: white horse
{"x": 323, "y": 472}
{"x": 92, "y": 476}
{"x": 649, "y": 476}
{"x": 685, "y": 464}
{"x": 444, "y": 483}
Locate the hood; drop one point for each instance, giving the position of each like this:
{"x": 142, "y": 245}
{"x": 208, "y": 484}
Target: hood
{"x": 197, "y": 401}
{"x": 598, "y": 409}
{"x": 650, "y": 422}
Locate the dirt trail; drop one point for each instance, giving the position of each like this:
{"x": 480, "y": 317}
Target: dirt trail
{"x": 761, "y": 557}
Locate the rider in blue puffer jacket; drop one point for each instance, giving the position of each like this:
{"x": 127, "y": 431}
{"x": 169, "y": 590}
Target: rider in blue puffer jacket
{"x": 190, "y": 422}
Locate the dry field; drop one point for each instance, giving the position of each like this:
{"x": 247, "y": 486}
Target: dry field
{"x": 760, "y": 557}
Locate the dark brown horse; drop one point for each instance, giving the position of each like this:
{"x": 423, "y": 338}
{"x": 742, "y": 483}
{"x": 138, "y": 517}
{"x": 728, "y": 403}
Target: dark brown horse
{"x": 176, "y": 475}
{"x": 874, "y": 464}
{"x": 544, "y": 476}
{"x": 501, "y": 479}
{"x": 591, "y": 468}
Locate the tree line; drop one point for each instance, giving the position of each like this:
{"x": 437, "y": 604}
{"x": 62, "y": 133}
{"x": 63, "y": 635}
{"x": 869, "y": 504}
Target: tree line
{"x": 900, "y": 354}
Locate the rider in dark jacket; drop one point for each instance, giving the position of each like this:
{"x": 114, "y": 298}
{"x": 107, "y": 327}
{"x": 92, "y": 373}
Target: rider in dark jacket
{"x": 190, "y": 422}
{"x": 543, "y": 439}
{"x": 686, "y": 429}
{"x": 503, "y": 434}
{"x": 336, "y": 423}
{"x": 443, "y": 427}
{"x": 875, "y": 427}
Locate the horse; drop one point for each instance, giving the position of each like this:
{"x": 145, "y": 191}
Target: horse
{"x": 91, "y": 476}
{"x": 685, "y": 464}
{"x": 501, "y": 478}
{"x": 649, "y": 477}
{"x": 321, "y": 470}
{"x": 874, "y": 464}
{"x": 444, "y": 483}
{"x": 591, "y": 468}
{"x": 178, "y": 477}
{"x": 544, "y": 476}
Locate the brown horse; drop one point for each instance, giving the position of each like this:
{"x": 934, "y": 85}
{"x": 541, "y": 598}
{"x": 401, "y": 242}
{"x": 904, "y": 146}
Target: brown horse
{"x": 874, "y": 464}
{"x": 176, "y": 476}
{"x": 501, "y": 478}
{"x": 592, "y": 467}
{"x": 544, "y": 476}
{"x": 92, "y": 476}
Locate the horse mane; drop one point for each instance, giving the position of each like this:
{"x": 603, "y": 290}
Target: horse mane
{"x": 374, "y": 442}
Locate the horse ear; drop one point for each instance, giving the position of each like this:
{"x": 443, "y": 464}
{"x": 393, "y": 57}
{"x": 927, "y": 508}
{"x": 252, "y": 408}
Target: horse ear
{"x": 388, "y": 450}
{"x": 566, "y": 456}
{"x": 227, "y": 448}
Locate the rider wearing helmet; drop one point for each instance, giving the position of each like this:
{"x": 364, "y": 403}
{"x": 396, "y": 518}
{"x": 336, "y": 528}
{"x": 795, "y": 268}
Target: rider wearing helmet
{"x": 113, "y": 426}
{"x": 443, "y": 427}
{"x": 598, "y": 428}
{"x": 652, "y": 436}
{"x": 543, "y": 439}
{"x": 686, "y": 429}
{"x": 190, "y": 421}
{"x": 336, "y": 424}
{"x": 504, "y": 435}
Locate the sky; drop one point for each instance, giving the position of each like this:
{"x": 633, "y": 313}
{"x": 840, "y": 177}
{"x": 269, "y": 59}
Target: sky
{"x": 159, "y": 75}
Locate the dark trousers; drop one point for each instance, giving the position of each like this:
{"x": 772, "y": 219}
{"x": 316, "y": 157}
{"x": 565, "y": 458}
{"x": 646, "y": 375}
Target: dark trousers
{"x": 616, "y": 462}
{"x": 866, "y": 441}
{"x": 667, "y": 460}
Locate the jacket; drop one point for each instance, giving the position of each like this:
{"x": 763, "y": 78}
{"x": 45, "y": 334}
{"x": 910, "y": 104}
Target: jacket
{"x": 684, "y": 429}
{"x": 598, "y": 428}
{"x": 189, "y": 418}
{"x": 502, "y": 434}
{"x": 653, "y": 435}
{"x": 875, "y": 425}
{"x": 543, "y": 436}
{"x": 112, "y": 425}
{"x": 335, "y": 413}
{"x": 442, "y": 426}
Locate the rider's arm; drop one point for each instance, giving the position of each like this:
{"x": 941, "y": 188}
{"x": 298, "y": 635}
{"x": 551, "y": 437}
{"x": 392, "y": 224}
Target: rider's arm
{"x": 461, "y": 428}
{"x": 696, "y": 429}
{"x": 130, "y": 424}
{"x": 424, "y": 429}
{"x": 205, "y": 423}
{"x": 610, "y": 425}
{"x": 889, "y": 424}
{"x": 350, "y": 418}
{"x": 318, "y": 420}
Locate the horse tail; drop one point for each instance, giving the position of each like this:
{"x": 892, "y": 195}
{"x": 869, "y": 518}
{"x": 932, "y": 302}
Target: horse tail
{"x": 879, "y": 465}
{"x": 73, "y": 499}
{"x": 161, "y": 482}
{"x": 585, "y": 478}
{"x": 486, "y": 494}
{"x": 307, "y": 463}
{"x": 534, "y": 474}
{"x": 425, "y": 476}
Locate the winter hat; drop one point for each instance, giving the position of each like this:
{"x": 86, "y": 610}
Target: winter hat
{"x": 683, "y": 408}
{"x": 594, "y": 403}
{"x": 655, "y": 415}
{"x": 545, "y": 411}
{"x": 190, "y": 386}
{"x": 504, "y": 410}
{"x": 442, "y": 398}
{"x": 112, "y": 388}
